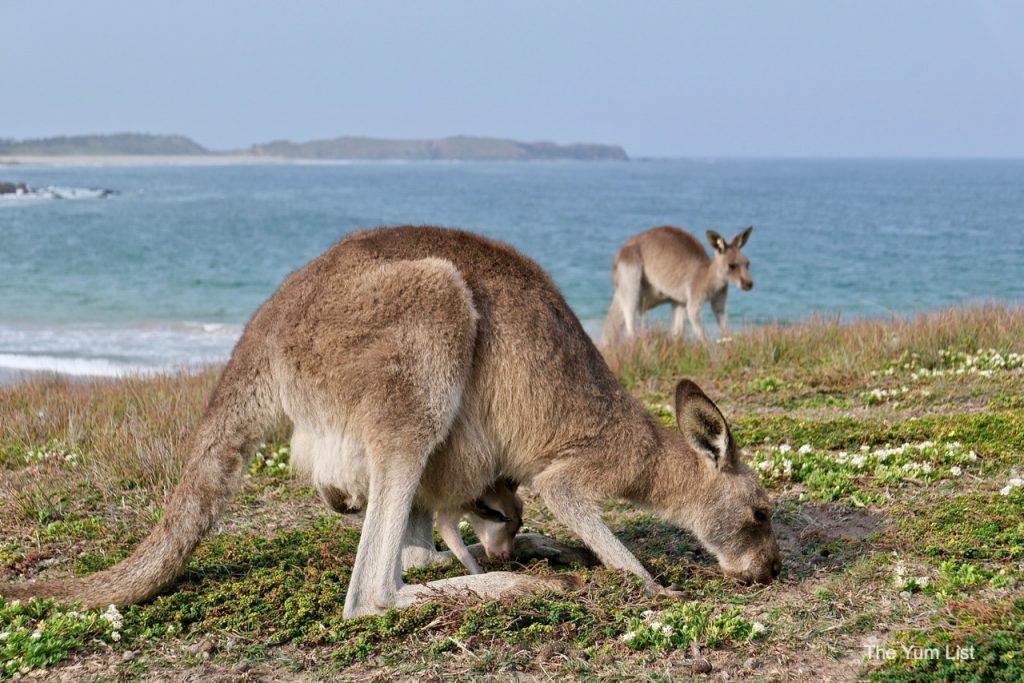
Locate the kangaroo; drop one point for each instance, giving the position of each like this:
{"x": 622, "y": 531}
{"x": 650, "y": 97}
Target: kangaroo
{"x": 496, "y": 517}
{"x": 417, "y": 365}
{"x": 668, "y": 265}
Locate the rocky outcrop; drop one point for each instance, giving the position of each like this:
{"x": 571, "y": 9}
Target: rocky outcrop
{"x": 24, "y": 190}
{"x": 13, "y": 188}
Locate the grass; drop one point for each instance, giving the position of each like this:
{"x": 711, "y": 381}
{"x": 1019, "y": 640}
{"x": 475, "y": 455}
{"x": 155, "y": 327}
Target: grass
{"x": 896, "y": 512}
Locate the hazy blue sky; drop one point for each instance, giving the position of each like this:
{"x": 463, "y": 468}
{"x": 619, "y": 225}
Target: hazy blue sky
{"x": 759, "y": 77}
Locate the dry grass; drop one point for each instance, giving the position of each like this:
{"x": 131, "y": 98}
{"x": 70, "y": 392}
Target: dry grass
{"x": 822, "y": 346}
{"x": 134, "y": 430}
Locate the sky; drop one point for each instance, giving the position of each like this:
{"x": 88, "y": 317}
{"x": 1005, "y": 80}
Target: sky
{"x": 817, "y": 78}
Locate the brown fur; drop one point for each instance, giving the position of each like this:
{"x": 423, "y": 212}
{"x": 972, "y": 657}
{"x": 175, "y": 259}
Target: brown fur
{"x": 496, "y": 517}
{"x": 668, "y": 265}
{"x": 418, "y": 365}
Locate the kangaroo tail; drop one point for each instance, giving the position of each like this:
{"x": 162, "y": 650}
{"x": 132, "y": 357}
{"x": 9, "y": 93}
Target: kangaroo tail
{"x": 613, "y": 323}
{"x": 243, "y": 406}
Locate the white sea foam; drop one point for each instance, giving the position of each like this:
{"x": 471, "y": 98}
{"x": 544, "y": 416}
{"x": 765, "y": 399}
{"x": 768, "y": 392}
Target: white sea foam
{"x": 82, "y": 367}
{"x": 94, "y": 350}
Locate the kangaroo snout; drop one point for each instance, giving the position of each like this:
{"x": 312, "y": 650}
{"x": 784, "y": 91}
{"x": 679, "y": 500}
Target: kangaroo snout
{"x": 763, "y": 569}
{"x": 746, "y": 285}
{"x": 498, "y": 552}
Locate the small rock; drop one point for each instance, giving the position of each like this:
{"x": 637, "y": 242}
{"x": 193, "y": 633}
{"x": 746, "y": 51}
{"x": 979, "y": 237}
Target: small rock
{"x": 204, "y": 648}
{"x": 128, "y": 656}
{"x": 549, "y": 650}
{"x": 702, "y": 666}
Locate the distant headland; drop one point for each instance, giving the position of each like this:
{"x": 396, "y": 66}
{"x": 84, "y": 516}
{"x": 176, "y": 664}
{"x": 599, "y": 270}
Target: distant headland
{"x": 143, "y": 146}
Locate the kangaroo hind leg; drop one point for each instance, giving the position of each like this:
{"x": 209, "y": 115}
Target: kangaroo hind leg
{"x": 419, "y": 360}
{"x": 628, "y": 277}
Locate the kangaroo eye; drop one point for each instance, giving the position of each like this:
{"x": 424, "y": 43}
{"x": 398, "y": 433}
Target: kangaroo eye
{"x": 489, "y": 513}
{"x": 761, "y": 516}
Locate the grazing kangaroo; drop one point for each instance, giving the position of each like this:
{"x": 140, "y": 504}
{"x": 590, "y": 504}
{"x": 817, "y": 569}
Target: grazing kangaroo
{"x": 495, "y": 516}
{"x": 668, "y": 265}
{"x": 418, "y": 365}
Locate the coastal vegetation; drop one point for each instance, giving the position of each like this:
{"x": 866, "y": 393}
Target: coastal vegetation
{"x": 892, "y": 449}
{"x": 129, "y": 144}
{"x": 461, "y": 148}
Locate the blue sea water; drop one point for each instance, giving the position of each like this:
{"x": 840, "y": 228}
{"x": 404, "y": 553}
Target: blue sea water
{"x": 166, "y": 272}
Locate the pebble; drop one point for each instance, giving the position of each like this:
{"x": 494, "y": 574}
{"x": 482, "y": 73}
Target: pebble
{"x": 204, "y": 648}
{"x": 702, "y": 666}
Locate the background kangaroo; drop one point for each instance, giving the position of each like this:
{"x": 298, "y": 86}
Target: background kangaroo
{"x": 418, "y": 365}
{"x": 668, "y": 265}
{"x": 496, "y": 517}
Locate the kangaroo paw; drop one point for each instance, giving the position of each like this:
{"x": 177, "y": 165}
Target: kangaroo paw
{"x": 489, "y": 586}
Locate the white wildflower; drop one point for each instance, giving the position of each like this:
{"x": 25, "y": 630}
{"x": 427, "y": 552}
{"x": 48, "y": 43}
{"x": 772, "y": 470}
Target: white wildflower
{"x": 1014, "y": 483}
{"x": 955, "y": 471}
{"x": 629, "y": 636}
{"x": 36, "y": 635}
{"x": 115, "y": 636}
{"x": 113, "y": 617}
{"x": 805, "y": 449}
{"x": 900, "y": 575}
{"x": 758, "y": 627}
{"x": 667, "y": 630}
{"x": 785, "y": 448}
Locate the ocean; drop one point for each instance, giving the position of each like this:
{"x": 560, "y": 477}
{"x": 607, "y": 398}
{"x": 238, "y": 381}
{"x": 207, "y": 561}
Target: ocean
{"x": 164, "y": 274}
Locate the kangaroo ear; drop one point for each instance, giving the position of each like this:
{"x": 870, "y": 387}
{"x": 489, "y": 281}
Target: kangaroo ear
{"x": 717, "y": 241}
{"x": 704, "y": 426}
{"x": 739, "y": 240}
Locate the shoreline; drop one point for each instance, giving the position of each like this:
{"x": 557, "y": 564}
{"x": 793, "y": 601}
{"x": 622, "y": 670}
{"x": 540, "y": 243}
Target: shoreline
{"x": 655, "y": 336}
